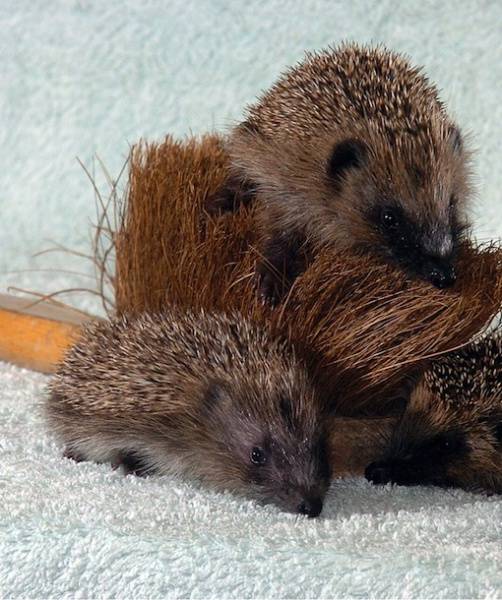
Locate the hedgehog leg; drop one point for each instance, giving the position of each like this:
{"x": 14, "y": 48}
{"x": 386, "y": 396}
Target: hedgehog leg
{"x": 72, "y": 454}
{"x": 234, "y": 193}
{"x": 132, "y": 464}
{"x": 284, "y": 259}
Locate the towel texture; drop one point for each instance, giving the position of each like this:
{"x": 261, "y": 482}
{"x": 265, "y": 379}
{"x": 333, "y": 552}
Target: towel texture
{"x": 83, "y": 530}
{"x": 81, "y": 77}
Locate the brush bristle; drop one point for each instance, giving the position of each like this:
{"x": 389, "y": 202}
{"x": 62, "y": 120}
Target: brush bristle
{"x": 358, "y": 321}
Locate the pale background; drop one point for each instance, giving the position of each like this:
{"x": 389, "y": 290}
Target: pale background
{"x": 86, "y": 78}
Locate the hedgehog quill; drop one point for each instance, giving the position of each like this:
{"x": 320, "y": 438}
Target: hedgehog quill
{"x": 201, "y": 395}
{"x": 451, "y": 431}
{"x": 353, "y": 148}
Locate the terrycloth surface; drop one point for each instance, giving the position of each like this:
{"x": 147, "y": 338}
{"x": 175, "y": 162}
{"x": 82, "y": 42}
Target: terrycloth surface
{"x": 80, "y": 77}
{"x": 82, "y": 530}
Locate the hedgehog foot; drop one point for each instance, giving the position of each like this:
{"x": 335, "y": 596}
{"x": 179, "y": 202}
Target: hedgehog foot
{"x": 131, "y": 464}
{"x": 72, "y": 455}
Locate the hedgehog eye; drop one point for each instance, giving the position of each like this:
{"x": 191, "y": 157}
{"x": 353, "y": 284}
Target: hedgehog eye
{"x": 498, "y": 432}
{"x": 258, "y": 456}
{"x": 389, "y": 219}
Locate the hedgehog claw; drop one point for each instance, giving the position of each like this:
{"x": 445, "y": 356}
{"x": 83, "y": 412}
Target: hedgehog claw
{"x": 73, "y": 455}
{"x": 131, "y": 465}
{"x": 269, "y": 289}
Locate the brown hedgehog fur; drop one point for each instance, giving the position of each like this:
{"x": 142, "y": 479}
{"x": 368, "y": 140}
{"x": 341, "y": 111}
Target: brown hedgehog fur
{"x": 360, "y": 324}
{"x": 451, "y": 431}
{"x": 211, "y": 396}
{"x": 354, "y": 443}
{"x": 353, "y": 148}
{"x": 444, "y": 441}
{"x": 469, "y": 373}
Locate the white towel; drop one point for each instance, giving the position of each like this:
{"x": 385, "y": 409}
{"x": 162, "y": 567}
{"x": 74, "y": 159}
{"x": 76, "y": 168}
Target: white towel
{"x": 84, "y": 530}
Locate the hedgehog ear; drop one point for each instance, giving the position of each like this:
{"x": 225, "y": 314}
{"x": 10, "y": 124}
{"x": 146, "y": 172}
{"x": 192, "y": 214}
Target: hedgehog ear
{"x": 349, "y": 154}
{"x": 455, "y": 140}
{"x": 215, "y": 395}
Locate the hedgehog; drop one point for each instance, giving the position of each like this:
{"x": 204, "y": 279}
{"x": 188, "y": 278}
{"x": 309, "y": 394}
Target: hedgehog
{"x": 352, "y": 148}
{"x": 450, "y": 434}
{"x": 195, "y": 394}
{"x": 362, "y": 326}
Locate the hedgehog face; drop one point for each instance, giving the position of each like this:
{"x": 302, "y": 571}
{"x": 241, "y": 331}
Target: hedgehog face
{"x": 436, "y": 443}
{"x": 422, "y": 251}
{"x": 404, "y": 204}
{"x": 422, "y": 461}
{"x": 274, "y": 445}
{"x": 354, "y": 147}
{"x": 292, "y": 473}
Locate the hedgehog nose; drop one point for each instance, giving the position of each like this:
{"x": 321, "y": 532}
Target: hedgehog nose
{"x": 378, "y": 473}
{"x": 311, "y": 507}
{"x": 442, "y": 277}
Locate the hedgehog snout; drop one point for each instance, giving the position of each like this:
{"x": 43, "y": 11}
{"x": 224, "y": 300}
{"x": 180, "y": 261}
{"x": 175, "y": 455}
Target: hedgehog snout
{"x": 378, "y": 473}
{"x": 438, "y": 259}
{"x": 310, "y": 506}
{"x": 443, "y": 276}
{"x": 306, "y": 501}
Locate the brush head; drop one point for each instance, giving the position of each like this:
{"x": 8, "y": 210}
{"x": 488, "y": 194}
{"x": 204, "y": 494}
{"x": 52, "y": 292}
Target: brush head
{"x": 361, "y": 327}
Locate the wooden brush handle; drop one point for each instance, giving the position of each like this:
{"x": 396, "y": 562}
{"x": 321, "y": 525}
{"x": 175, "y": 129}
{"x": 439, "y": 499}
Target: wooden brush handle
{"x": 35, "y": 334}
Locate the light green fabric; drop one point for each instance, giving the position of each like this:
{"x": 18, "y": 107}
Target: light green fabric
{"x": 80, "y": 77}
{"x": 83, "y": 530}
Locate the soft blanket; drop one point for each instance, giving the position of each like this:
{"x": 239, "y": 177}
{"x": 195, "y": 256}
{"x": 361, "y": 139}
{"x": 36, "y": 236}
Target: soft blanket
{"x": 83, "y": 530}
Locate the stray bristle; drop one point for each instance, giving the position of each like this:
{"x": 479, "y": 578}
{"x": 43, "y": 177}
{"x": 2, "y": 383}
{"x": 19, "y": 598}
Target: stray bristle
{"x": 359, "y": 322}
